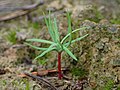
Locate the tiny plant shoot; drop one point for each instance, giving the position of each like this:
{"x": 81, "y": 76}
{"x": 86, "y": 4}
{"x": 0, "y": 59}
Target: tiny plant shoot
{"x": 57, "y": 44}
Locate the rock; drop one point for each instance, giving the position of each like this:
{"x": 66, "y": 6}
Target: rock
{"x": 105, "y": 40}
{"x": 21, "y": 36}
{"x": 115, "y": 63}
{"x": 2, "y": 71}
{"x": 88, "y": 88}
{"x": 55, "y": 5}
{"x": 113, "y": 29}
{"x": 80, "y": 10}
{"x": 104, "y": 22}
{"x": 88, "y": 23}
{"x": 100, "y": 46}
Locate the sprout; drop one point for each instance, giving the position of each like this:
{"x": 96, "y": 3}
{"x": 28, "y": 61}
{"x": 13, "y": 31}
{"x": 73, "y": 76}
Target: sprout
{"x": 57, "y": 44}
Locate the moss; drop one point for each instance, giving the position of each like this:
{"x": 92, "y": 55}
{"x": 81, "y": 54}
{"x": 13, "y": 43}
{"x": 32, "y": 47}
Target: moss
{"x": 16, "y": 84}
{"x": 11, "y": 37}
{"x": 4, "y": 82}
{"x": 115, "y": 21}
{"x": 97, "y": 15}
{"x": 80, "y": 72}
{"x": 118, "y": 88}
{"x": 35, "y": 25}
{"x": 109, "y": 85}
{"x": 42, "y": 61}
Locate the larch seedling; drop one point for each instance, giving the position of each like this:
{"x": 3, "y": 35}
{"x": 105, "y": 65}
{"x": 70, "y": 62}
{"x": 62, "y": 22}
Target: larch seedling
{"x": 57, "y": 44}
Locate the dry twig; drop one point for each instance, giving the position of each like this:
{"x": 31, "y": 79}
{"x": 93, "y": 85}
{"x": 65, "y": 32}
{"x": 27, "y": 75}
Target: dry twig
{"x": 20, "y": 11}
{"x": 43, "y": 80}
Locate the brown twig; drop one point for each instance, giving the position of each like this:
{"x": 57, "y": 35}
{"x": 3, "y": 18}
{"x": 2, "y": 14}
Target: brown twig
{"x": 43, "y": 72}
{"x": 43, "y": 80}
{"x": 20, "y": 11}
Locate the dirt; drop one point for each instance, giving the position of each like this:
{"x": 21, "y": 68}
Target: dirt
{"x": 98, "y": 67}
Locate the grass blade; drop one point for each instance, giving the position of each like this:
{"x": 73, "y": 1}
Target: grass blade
{"x": 56, "y": 30}
{"x": 69, "y": 52}
{"x": 40, "y": 40}
{"x": 51, "y": 28}
{"x": 48, "y": 24}
{"x": 62, "y": 41}
{"x": 35, "y": 47}
{"x": 78, "y": 39}
{"x": 51, "y": 47}
{"x": 69, "y": 27}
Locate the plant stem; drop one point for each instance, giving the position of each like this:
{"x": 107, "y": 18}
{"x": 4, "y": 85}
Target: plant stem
{"x": 59, "y": 66}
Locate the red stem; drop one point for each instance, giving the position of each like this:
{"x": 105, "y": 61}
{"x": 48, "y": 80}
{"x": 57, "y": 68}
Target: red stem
{"x": 59, "y": 66}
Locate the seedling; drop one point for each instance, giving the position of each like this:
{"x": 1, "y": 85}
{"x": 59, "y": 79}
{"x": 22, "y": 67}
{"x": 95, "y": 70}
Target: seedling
{"x": 57, "y": 44}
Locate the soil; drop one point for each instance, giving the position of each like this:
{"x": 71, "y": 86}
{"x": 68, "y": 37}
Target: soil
{"x": 98, "y": 65}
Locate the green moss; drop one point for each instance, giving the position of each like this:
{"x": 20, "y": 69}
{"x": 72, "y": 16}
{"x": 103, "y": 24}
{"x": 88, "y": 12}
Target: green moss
{"x": 109, "y": 85}
{"x": 42, "y": 61}
{"x": 27, "y": 84}
{"x": 4, "y": 82}
{"x": 79, "y": 72}
{"x": 118, "y": 88}
{"x": 16, "y": 84}
{"x": 98, "y": 15}
{"x": 115, "y": 21}
{"x": 36, "y": 25}
{"x": 11, "y": 37}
